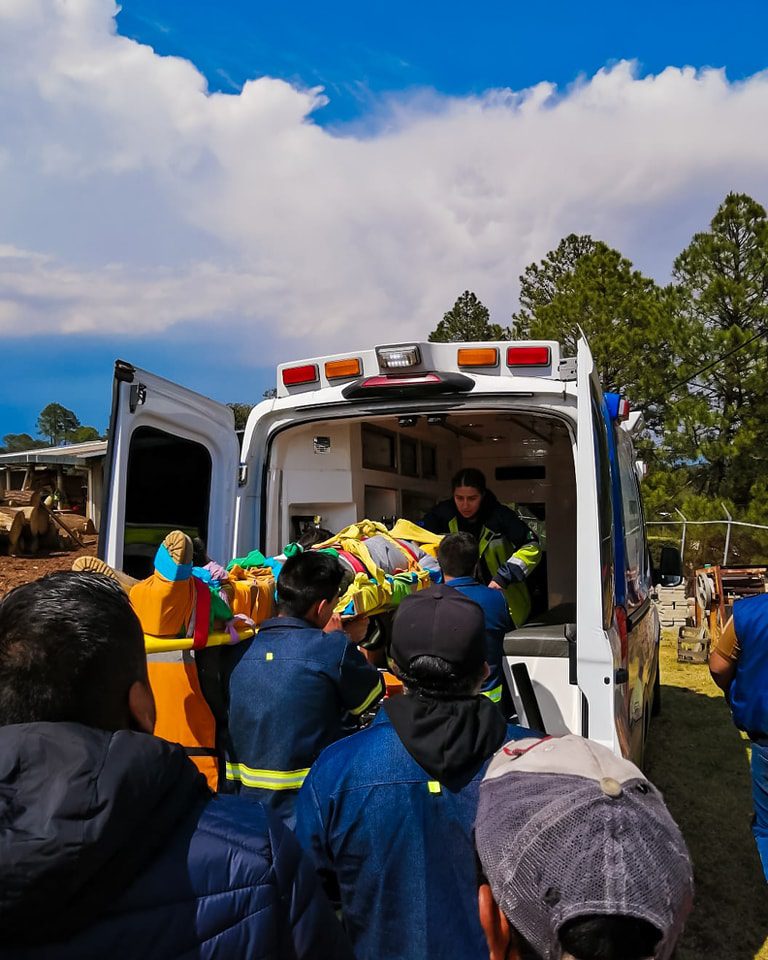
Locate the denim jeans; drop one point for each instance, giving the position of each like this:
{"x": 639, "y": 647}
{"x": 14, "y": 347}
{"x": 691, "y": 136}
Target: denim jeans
{"x": 760, "y": 799}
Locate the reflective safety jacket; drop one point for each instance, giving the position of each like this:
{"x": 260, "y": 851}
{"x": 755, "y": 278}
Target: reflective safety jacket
{"x": 503, "y": 538}
{"x": 293, "y": 690}
{"x": 497, "y": 624}
{"x": 748, "y": 694}
{"x": 395, "y": 847}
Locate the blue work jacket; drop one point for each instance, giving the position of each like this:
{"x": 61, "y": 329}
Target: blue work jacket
{"x": 395, "y": 847}
{"x": 748, "y": 694}
{"x": 292, "y": 691}
{"x": 497, "y": 623}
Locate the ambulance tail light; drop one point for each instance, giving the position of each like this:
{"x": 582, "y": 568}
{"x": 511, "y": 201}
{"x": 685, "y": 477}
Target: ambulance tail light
{"x": 478, "y": 357}
{"x": 408, "y": 385}
{"x": 343, "y": 369}
{"x": 399, "y": 358}
{"x": 307, "y": 373}
{"x": 529, "y": 356}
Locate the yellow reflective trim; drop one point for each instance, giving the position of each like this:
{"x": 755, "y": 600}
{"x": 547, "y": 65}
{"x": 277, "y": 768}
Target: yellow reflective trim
{"x": 493, "y": 694}
{"x": 266, "y": 779}
{"x": 372, "y": 696}
{"x": 434, "y": 787}
{"x": 270, "y": 655}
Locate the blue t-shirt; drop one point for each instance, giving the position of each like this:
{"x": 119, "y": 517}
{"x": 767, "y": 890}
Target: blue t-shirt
{"x": 497, "y": 624}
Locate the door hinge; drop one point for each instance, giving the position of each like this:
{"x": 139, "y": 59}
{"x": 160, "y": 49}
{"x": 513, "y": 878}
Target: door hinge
{"x": 621, "y": 675}
{"x": 137, "y": 396}
{"x": 242, "y": 474}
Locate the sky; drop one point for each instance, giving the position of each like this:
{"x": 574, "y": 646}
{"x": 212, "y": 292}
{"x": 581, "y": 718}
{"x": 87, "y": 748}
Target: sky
{"x": 208, "y": 189}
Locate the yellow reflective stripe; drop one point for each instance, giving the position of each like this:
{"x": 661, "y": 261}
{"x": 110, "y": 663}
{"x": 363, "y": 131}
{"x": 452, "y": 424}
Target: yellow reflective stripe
{"x": 528, "y": 556}
{"x": 434, "y": 787}
{"x": 493, "y": 694}
{"x": 372, "y": 696}
{"x": 266, "y": 779}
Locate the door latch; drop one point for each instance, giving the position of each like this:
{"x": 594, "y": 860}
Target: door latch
{"x": 137, "y": 396}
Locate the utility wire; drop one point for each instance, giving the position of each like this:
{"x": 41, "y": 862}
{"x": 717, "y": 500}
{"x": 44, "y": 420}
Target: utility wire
{"x": 713, "y": 363}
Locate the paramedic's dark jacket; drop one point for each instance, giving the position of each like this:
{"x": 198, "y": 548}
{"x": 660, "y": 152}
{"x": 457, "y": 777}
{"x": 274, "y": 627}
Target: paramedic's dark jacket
{"x": 292, "y": 692}
{"x": 394, "y": 844}
{"x": 113, "y": 847}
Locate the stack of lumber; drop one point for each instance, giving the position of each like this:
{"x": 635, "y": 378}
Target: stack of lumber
{"x": 26, "y": 524}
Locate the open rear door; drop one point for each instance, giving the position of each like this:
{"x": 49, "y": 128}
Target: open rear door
{"x": 596, "y": 668}
{"x": 172, "y": 463}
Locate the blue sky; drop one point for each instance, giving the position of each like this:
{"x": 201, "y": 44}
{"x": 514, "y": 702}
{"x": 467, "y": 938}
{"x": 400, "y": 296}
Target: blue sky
{"x": 358, "y": 51}
{"x": 235, "y": 222}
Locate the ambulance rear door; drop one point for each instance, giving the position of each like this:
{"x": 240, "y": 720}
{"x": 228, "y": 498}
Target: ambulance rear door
{"x": 172, "y": 463}
{"x": 596, "y": 635}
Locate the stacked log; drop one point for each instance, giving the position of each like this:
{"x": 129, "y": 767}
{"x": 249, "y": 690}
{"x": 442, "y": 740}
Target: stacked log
{"x": 11, "y": 531}
{"x": 26, "y": 523}
{"x": 20, "y": 498}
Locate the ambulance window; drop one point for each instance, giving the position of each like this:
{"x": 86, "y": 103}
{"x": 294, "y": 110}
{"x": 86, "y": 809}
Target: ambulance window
{"x": 605, "y": 511}
{"x": 634, "y": 527}
{"x": 168, "y": 488}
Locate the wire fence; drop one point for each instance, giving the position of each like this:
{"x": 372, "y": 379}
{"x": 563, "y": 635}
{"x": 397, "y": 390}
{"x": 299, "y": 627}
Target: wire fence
{"x": 751, "y": 547}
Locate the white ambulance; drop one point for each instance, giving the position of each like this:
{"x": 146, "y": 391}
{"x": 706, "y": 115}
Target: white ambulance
{"x": 379, "y": 433}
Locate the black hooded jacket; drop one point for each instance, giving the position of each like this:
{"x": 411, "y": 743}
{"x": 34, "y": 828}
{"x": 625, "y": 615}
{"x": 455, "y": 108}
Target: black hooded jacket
{"x": 111, "y": 845}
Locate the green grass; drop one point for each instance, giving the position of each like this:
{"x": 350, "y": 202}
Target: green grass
{"x": 700, "y": 762}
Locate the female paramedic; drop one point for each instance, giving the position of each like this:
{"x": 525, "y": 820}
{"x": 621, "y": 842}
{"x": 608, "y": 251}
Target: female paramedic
{"x": 509, "y": 549}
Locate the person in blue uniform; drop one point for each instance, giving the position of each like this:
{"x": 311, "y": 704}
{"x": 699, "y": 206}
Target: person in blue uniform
{"x": 509, "y": 550}
{"x": 388, "y": 813}
{"x": 739, "y": 666}
{"x": 296, "y": 687}
{"x": 457, "y": 556}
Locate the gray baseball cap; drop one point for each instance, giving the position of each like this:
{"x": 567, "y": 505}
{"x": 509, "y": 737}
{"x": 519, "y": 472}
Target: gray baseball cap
{"x": 565, "y": 828}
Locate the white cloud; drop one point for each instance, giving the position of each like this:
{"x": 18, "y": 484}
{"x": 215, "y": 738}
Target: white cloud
{"x": 133, "y": 201}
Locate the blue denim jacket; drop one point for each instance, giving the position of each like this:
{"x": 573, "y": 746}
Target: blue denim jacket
{"x": 395, "y": 847}
{"x": 292, "y": 691}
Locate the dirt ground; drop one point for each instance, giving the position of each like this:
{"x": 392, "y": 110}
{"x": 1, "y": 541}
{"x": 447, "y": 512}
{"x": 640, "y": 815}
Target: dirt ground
{"x": 18, "y": 570}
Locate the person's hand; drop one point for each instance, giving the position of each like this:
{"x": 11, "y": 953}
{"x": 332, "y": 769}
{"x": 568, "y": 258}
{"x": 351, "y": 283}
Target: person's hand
{"x": 356, "y": 629}
{"x": 495, "y": 586}
{"x": 333, "y": 624}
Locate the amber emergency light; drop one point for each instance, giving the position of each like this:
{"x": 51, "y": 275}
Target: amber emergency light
{"x": 340, "y": 369}
{"x": 478, "y": 357}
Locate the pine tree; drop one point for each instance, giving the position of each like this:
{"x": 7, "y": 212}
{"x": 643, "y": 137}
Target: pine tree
{"x": 467, "y": 321}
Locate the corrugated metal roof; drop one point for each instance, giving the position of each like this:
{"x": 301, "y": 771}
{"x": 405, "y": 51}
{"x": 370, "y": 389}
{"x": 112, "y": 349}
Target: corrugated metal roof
{"x": 72, "y": 454}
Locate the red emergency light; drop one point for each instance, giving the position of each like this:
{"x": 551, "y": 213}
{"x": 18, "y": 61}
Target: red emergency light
{"x": 307, "y": 373}
{"x": 528, "y": 356}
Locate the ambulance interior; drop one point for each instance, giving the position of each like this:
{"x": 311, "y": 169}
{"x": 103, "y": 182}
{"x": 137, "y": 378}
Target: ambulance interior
{"x": 400, "y": 466}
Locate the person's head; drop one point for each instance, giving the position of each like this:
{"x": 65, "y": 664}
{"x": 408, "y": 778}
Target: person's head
{"x": 308, "y": 587}
{"x": 312, "y": 535}
{"x": 457, "y": 555}
{"x": 72, "y": 649}
{"x": 438, "y": 643}
{"x": 579, "y": 857}
{"x": 468, "y": 487}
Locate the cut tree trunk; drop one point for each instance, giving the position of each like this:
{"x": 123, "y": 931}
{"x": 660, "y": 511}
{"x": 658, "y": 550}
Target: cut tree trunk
{"x": 36, "y": 517}
{"x": 76, "y": 522}
{"x": 11, "y": 529}
{"x": 20, "y": 498}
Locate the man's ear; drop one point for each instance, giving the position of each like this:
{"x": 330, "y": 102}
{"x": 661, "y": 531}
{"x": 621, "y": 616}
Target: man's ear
{"x": 495, "y": 926}
{"x": 141, "y": 707}
{"x": 323, "y": 611}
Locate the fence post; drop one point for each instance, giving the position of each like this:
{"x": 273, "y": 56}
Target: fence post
{"x": 727, "y": 535}
{"x": 682, "y": 539}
